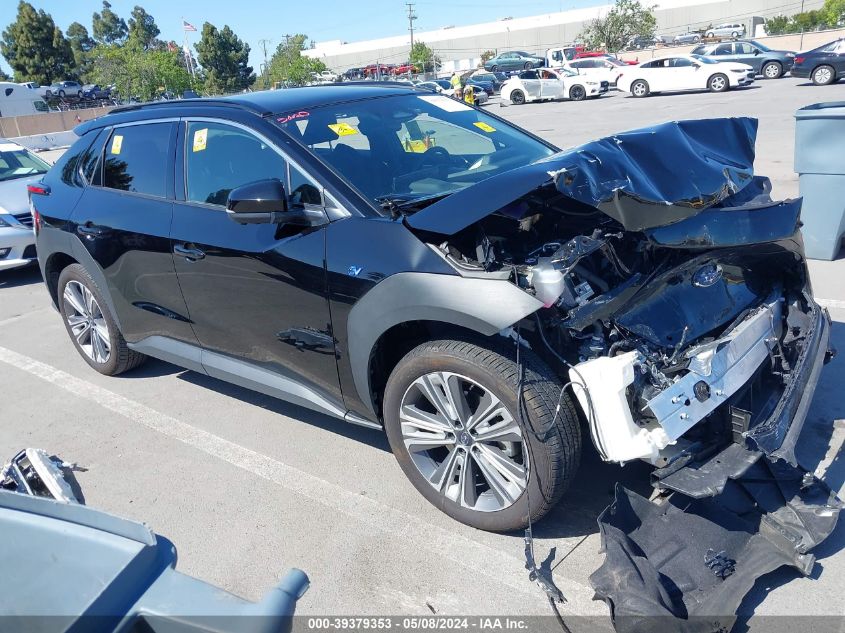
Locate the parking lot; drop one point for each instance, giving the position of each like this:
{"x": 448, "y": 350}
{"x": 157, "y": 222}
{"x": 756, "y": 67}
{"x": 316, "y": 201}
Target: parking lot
{"x": 247, "y": 486}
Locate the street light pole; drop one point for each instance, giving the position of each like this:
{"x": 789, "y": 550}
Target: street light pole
{"x": 801, "y": 43}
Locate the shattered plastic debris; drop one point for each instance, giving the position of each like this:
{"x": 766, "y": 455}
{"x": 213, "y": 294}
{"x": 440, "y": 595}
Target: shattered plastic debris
{"x": 33, "y": 472}
{"x": 685, "y": 565}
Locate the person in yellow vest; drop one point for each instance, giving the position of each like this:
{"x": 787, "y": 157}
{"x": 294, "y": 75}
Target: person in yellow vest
{"x": 455, "y": 81}
{"x": 469, "y": 95}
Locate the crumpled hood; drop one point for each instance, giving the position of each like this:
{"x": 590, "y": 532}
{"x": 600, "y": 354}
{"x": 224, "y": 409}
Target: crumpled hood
{"x": 643, "y": 178}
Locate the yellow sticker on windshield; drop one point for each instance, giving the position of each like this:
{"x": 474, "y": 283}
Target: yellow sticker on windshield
{"x": 116, "y": 144}
{"x": 200, "y": 139}
{"x": 342, "y": 129}
{"x": 481, "y": 125}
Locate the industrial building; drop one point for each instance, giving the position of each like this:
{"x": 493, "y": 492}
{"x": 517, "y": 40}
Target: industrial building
{"x": 461, "y": 46}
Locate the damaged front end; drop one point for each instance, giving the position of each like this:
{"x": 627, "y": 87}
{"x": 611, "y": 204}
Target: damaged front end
{"x": 678, "y": 307}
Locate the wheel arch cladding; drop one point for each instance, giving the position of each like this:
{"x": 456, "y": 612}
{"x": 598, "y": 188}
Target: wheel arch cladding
{"x": 484, "y": 306}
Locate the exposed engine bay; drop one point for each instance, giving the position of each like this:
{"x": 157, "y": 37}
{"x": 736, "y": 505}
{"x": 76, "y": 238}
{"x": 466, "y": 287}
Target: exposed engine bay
{"x": 677, "y": 309}
{"x": 653, "y": 335}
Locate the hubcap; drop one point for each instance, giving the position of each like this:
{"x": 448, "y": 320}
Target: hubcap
{"x": 639, "y": 89}
{"x": 823, "y": 75}
{"x": 86, "y": 322}
{"x": 718, "y": 83}
{"x": 464, "y": 441}
{"x": 772, "y": 71}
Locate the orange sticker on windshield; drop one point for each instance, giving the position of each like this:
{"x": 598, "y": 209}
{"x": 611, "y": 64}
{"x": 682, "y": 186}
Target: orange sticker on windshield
{"x": 481, "y": 125}
{"x": 342, "y": 129}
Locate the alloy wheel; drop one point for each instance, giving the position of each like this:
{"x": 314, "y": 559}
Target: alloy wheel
{"x": 822, "y": 75}
{"x": 772, "y": 71}
{"x": 464, "y": 441}
{"x": 639, "y": 89}
{"x": 717, "y": 84}
{"x": 86, "y": 322}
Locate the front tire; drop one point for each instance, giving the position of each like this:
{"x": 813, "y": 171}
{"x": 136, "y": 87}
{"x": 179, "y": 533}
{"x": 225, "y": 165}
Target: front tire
{"x": 91, "y": 326}
{"x": 517, "y": 97}
{"x": 451, "y": 417}
{"x": 772, "y": 70}
{"x": 640, "y": 88}
{"x": 824, "y": 75}
{"x": 577, "y": 93}
{"x": 718, "y": 83}
{"x": 527, "y": 66}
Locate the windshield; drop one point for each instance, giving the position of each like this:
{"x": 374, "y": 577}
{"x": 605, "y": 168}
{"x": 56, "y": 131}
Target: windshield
{"x": 19, "y": 163}
{"x": 704, "y": 60}
{"x": 407, "y": 148}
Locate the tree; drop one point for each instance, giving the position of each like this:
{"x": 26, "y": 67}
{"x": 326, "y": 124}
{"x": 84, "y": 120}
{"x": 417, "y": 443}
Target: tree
{"x": 143, "y": 28}
{"x": 778, "y": 25}
{"x": 225, "y": 60}
{"x": 423, "y": 58}
{"x": 81, "y": 44}
{"x": 627, "y": 19}
{"x": 108, "y": 27}
{"x": 288, "y": 64}
{"x": 834, "y": 11}
{"x": 486, "y": 56}
{"x": 36, "y": 48}
{"x": 138, "y": 72}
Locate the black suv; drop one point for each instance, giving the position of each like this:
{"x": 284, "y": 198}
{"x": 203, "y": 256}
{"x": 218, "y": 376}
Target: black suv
{"x": 399, "y": 259}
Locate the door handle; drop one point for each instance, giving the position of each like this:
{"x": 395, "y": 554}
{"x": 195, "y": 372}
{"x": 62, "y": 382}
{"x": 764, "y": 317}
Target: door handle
{"x": 89, "y": 229}
{"x": 190, "y": 253}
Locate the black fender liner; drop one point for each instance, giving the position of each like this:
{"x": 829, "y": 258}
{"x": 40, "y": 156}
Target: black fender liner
{"x": 486, "y": 306}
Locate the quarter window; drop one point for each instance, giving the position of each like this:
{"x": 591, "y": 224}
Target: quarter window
{"x": 302, "y": 190}
{"x": 136, "y": 159}
{"x": 221, "y": 157}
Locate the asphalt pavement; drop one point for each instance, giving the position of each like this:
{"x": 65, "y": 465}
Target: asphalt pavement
{"x": 247, "y": 486}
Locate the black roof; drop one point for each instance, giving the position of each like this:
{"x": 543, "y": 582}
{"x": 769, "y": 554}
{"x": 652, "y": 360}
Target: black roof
{"x": 262, "y": 103}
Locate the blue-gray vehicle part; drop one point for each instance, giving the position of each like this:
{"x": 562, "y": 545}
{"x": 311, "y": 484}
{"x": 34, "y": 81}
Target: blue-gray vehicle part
{"x": 685, "y": 566}
{"x": 79, "y": 569}
{"x": 486, "y": 306}
{"x": 698, "y": 165}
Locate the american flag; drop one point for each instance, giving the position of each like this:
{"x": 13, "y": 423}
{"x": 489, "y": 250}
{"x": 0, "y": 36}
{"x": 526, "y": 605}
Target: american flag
{"x": 187, "y": 26}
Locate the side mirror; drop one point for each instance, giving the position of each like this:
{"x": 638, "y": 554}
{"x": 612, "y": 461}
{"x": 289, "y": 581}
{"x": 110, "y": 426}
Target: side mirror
{"x": 756, "y": 51}
{"x": 266, "y": 202}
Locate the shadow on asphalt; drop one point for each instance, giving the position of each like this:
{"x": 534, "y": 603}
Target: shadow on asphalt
{"x": 20, "y": 276}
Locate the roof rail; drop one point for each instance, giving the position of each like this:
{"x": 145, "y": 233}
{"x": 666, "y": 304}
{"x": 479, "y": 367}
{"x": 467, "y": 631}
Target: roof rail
{"x": 211, "y": 101}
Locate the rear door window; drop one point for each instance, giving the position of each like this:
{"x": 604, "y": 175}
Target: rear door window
{"x": 137, "y": 159}
{"x": 723, "y": 49}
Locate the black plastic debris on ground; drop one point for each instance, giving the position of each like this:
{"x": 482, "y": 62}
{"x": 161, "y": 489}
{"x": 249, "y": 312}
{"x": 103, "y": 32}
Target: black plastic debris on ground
{"x": 685, "y": 565}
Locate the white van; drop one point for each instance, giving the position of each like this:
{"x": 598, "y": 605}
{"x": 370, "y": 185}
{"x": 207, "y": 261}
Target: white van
{"x": 16, "y": 100}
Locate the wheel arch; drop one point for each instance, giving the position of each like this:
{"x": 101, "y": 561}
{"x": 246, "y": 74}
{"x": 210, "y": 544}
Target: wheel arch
{"x": 416, "y": 306}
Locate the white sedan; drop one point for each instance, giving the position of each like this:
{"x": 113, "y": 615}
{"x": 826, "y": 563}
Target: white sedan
{"x": 684, "y": 72}
{"x": 544, "y": 83}
{"x": 598, "y": 68}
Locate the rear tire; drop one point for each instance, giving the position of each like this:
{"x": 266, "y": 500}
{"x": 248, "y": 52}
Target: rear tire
{"x": 91, "y": 326}
{"x": 718, "y": 83}
{"x": 577, "y": 93}
{"x": 517, "y": 97}
{"x": 824, "y": 75}
{"x": 640, "y": 88}
{"x": 527, "y": 66}
{"x": 772, "y": 70}
{"x": 458, "y": 466}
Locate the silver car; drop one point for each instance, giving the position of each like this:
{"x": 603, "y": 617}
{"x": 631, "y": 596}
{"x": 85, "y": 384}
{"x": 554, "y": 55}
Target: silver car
{"x": 18, "y": 168}
{"x": 733, "y": 30}
{"x": 686, "y": 38}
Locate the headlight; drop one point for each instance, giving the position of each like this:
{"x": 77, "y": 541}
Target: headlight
{"x": 739, "y": 70}
{"x": 592, "y": 83}
{"x": 3, "y": 222}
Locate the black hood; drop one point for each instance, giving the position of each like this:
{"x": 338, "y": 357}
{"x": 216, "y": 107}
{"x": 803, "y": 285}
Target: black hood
{"x": 643, "y": 178}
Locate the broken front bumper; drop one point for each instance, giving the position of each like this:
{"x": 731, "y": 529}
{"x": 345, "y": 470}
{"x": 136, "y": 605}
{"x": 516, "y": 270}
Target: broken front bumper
{"x": 686, "y": 564}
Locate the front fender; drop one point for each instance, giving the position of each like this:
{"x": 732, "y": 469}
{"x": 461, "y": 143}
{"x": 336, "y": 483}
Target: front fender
{"x": 486, "y": 306}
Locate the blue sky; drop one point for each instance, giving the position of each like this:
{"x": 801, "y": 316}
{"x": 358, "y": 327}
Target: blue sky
{"x": 319, "y": 19}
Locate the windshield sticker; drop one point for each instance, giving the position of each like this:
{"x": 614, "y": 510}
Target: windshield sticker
{"x": 287, "y": 118}
{"x": 116, "y": 144}
{"x": 200, "y": 139}
{"x": 342, "y": 129}
{"x": 481, "y": 125}
{"x": 446, "y": 103}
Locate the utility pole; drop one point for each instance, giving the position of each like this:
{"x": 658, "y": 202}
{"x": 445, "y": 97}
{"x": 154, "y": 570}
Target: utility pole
{"x": 801, "y": 43}
{"x": 263, "y": 43}
{"x": 411, "y": 17}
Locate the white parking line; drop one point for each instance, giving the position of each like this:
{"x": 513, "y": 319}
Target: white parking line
{"x": 419, "y": 534}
